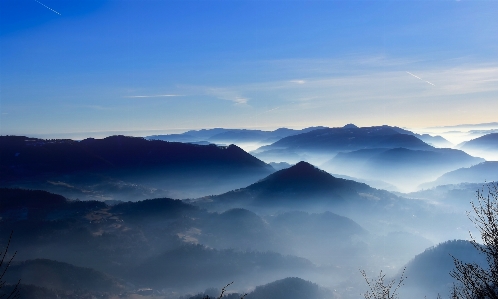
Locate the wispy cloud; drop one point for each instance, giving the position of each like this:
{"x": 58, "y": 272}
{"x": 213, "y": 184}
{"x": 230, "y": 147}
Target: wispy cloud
{"x": 298, "y": 81}
{"x": 370, "y": 94}
{"x": 227, "y": 94}
{"x": 372, "y": 87}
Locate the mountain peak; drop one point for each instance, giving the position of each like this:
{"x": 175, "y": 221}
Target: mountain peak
{"x": 350, "y": 126}
{"x": 304, "y": 166}
{"x": 300, "y": 173}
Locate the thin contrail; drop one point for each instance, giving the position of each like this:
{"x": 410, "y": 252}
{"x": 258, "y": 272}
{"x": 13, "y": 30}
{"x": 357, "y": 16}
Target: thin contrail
{"x": 48, "y": 7}
{"x": 421, "y": 79}
{"x": 264, "y": 112}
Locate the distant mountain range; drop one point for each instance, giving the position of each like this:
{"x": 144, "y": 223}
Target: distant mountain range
{"x": 405, "y": 168}
{"x": 130, "y": 168}
{"x": 220, "y": 135}
{"x": 348, "y": 138}
{"x": 480, "y": 173}
{"x": 435, "y": 141}
{"x": 107, "y": 165}
{"x": 485, "y": 146}
{"x": 480, "y": 133}
{"x": 486, "y": 142}
{"x": 455, "y": 197}
{"x": 474, "y": 126}
{"x": 307, "y": 188}
{"x": 263, "y": 225}
{"x": 241, "y": 136}
{"x": 319, "y": 146}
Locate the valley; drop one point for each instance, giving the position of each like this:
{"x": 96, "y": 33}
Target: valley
{"x": 99, "y": 217}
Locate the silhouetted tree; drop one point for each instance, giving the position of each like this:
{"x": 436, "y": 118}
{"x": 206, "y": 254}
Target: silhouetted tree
{"x": 382, "y": 289}
{"x": 223, "y": 290}
{"x": 475, "y": 281}
{"x": 4, "y": 266}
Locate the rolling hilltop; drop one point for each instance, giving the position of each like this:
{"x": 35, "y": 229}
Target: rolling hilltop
{"x": 307, "y": 188}
{"x": 220, "y": 135}
{"x": 486, "y": 142}
{"x": 26, "y": 157}
{"x": 297, "y": 221}
{"x": 110, "y": 168}
{"x": 382, "y": 154}
{"x": 485, "y": 146}
{"x": 402, "y": 167}
{"x": 348, "y": 138}
{"x": 164, "y": 242}
{"x": 480, "y": 173}
{"x": 300, "y": 184}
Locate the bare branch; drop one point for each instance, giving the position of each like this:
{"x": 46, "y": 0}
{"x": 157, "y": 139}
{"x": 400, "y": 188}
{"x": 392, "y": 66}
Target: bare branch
{"x": 14, "y": 294}
{"x": 380, "y": 289}
{"x": 476, "y": 282}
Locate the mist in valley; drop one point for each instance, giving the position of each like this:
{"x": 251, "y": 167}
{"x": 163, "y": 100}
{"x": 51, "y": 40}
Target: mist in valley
{"x": 181, "y": 220}
{"x": 247, "y": 149}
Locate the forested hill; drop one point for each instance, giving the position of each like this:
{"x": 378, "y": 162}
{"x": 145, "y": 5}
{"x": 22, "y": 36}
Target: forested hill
{"x": 22, "y": 156}
{"x": 348, "y": 139}
{"x": 303, "y": 186}
{"x": 125, "y": 168}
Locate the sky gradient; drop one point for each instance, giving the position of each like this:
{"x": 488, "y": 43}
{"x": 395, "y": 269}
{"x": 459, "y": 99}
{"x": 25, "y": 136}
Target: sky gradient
{"x": 169, "y": 66}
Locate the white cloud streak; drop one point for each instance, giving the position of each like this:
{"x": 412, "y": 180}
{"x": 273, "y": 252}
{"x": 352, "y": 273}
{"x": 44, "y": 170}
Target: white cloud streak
{"x": 420, "y": 78}
{"x": 264, "y": 112}
{"x": 47, "y": 7}
{"x": 298, "y": 81}
{"x": 373, "y": 94}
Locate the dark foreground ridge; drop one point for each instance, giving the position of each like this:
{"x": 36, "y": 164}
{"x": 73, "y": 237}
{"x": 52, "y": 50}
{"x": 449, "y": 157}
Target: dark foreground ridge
{"x": 125, "y": 168}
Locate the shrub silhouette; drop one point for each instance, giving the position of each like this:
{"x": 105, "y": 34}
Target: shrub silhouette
{"x": 4, "y": 266}
{"x": 382, "y": 289}
{"x": 475, "y": 281}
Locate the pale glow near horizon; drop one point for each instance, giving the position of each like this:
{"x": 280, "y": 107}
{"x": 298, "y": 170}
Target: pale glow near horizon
{"x": 142, "y": 66}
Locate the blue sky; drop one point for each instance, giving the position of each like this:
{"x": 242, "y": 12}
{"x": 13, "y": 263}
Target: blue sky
{"x": 100, "y": 66}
